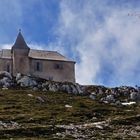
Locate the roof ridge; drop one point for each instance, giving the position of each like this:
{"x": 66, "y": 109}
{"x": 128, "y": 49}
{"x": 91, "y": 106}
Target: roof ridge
{"x": 43, "y": 50}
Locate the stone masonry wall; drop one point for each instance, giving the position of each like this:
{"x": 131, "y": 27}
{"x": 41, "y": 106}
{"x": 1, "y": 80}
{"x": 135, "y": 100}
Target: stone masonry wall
{"x": 49, "y": 71}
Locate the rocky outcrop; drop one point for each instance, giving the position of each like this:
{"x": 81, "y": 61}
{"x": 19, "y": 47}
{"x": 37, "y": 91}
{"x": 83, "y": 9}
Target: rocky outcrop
{"x": 24, "y": 81}
{"x": 70, "y": 88}
{"x": 123, "y": 95}
{"x": 118, "y": 96}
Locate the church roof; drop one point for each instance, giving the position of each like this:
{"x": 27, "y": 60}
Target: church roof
{"x": 36, "y": 54}
{"x": 20, "y": 42}
{"x": 48, "y": 55}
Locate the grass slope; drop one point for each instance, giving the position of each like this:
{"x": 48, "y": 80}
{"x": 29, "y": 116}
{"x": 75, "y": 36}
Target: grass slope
{"x": 38, "y": 120}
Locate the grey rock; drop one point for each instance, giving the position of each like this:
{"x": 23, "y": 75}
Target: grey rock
{"x": 100, "y": 91}
{"x": 71, "y": 88}
{"x": 135, "y": 96}
{"x": 79, "y": 89}
{"x": 91, "y": 96}
{"x": 74, "y": 89}
{"x": 18, "y": 76}
{"x": 108, "y": 99}
{"x": 118, "y": 103}
{"x": 5, "y": 74}
{"x": 4, "y": 88}
{"x": 44, "y": 89}
{"x": 68, "y": 106}
{"x": 30, "y": 95}
{"x": 9, "y": 125}
{"x": 39, "y": 86}
{"x": 5, "y": 82}
{"x": 26, "y": 82}
{"x": 40, "y": 99}
{"x": 53, "y": 87}
{"x": 35, "y": 88}
{"x": 65, "y": 88}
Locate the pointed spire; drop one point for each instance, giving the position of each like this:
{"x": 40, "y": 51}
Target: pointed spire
{"x": 20, "y": 42}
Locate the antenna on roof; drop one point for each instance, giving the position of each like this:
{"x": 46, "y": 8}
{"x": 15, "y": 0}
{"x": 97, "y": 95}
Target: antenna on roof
{"x": 19, "y": 30}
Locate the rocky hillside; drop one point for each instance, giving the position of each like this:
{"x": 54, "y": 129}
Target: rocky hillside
{"x": 116, "y": 96}
{"x": 36, "y": 109}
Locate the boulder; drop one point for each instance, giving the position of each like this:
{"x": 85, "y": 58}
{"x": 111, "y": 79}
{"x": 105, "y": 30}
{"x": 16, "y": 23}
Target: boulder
{"x": 65, "y": 88}
{"x": 71, "y": 88}
{"x": 135, "y": 96}
{"x": 35, "y": 88}
{"x": 44, "y": 89}
{"x": 92, "y": 96}
{"x": 74, "y": 89}
{"x": 4, "y": 88}
{"x": 26, "y": 81}
{"x": 79, "y": 89}
{"x": 5, "y": 82}
{"x": 118, "y": 103}
{"x": 18, "y": 76}
{"x": 68, "y": 106}
{"x": 5, "y": 74}
{"x": 39, "y": 86}
{"x": 30, "y": 95}
{"x": 45, "y": 85}
{"x": 108, "y": 99}
{"x": 40, "y": 99}
{"x": 52, "y": 87}
{"x": 100, "y": 91}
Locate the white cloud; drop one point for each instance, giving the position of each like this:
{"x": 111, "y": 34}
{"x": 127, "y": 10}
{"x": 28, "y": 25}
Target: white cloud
{"x": 5, "y": 46}
{"x": 103, "y": 43}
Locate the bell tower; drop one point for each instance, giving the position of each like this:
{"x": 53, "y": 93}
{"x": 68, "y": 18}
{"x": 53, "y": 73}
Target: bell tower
{"x": 20, "y": 52}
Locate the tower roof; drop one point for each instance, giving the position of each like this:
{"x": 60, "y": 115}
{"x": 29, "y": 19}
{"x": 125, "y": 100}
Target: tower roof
{"x": 20, "y": 42}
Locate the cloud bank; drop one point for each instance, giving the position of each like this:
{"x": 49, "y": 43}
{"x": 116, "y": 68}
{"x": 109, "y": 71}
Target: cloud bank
{"x": 104, "y": 38}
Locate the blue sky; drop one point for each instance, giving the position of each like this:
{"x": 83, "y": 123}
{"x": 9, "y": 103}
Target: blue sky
{"x": 102, "y": 36}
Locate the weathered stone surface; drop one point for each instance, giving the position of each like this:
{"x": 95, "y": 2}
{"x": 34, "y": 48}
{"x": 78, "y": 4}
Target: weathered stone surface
{"x": 52, "y": 87}
{"x": 68, "y": 106}
{"x": 40, "y": 99}
{"x": 18, "y": 76}
{"x": 5, "y": 82}
{"x": 135, "y": 96}
{"x": 26, "y": 81}
{"x": 9, "y": 125}
{"x": 35, "y": 88}
{"x": 92, "y": 96}
{"x": 5, "y": 74}
{"x": 108, "y": 99}
{"x": 5, "y": 79}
